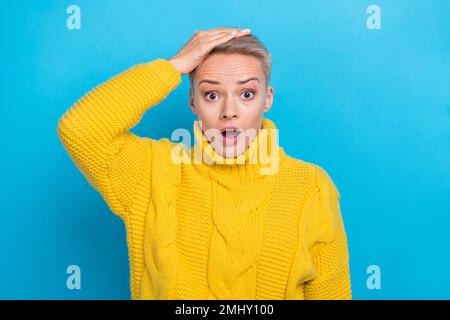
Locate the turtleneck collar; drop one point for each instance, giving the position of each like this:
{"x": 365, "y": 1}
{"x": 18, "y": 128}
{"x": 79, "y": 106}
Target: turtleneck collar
{"x": 262, "y": 158}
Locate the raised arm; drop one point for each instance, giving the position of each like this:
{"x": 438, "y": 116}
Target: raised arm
{"x": 95, "y": 130}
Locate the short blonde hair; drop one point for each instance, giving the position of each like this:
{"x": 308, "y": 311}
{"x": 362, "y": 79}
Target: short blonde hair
{"x": 247, "y": 45}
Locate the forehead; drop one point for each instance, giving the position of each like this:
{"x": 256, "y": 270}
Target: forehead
{"x": 229, "y": 68}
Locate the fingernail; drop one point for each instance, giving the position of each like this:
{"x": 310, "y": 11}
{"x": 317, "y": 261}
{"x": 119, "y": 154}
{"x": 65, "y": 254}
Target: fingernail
{"x": 245, "y": 30}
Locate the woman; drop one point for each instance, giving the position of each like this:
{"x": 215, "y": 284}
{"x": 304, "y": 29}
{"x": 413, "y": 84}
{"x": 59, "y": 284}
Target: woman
{"x": 242, "y": 219}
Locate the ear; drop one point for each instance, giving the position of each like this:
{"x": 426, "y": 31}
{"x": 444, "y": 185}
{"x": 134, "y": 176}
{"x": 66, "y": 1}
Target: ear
{"x": 191, "y": 101}
{"x": 269, "y": 99}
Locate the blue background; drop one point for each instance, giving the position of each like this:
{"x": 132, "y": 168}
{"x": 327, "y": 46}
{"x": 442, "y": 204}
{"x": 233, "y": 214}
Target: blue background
{"x": 372, "y": 107}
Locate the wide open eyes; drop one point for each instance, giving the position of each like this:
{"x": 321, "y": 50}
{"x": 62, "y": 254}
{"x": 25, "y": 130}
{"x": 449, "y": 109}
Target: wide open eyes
{"x": 214, "y": 96}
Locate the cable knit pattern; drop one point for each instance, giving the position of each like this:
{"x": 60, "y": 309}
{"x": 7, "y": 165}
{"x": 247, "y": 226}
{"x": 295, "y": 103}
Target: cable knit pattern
{"x": 239, "y": 196}
{"x": 201, "y": 228}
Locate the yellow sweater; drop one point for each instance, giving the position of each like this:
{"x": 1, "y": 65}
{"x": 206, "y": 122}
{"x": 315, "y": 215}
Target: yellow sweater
{"x": 205, "y": 229}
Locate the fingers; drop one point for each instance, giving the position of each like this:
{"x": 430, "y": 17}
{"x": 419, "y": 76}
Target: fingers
{"x": 226, "y": 36}
{"x": 220, "y": 31}
{"x": 208, "y": 39}
{"x": 216, "y": 40}
{"x": 203, "y": 42}
{"x": 237, "y": 33}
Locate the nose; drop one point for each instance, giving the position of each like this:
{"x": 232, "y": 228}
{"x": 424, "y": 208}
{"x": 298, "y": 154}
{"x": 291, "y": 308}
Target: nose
{"x": 229, "y": 111}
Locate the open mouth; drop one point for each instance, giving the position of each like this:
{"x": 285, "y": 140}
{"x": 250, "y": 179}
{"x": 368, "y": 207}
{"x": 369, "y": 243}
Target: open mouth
{"x": 230, "y": 135}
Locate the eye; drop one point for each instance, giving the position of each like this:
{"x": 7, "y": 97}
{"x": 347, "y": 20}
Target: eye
{"x": 211, "y": 95}
{"x": 248, "y": 94}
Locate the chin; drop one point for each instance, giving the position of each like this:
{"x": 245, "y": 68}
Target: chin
{"x": 229, "y": 152}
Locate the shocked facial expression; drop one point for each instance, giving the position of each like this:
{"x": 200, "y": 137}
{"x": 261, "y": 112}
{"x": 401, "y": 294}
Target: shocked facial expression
{"x": 229, "y": 97}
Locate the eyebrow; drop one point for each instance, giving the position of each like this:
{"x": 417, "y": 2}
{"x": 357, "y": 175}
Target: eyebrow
{"x": 239, "y": 82}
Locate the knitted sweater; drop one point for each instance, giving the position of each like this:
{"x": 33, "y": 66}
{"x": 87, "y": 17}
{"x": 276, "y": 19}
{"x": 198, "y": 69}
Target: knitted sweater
{"x": 206, "y": 229}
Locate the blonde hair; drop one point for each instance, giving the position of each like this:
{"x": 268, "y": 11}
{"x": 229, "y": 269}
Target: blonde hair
{"x": 248, "y": 45}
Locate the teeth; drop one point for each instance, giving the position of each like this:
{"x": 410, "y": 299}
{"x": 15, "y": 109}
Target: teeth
{"x": 230, "y": 132}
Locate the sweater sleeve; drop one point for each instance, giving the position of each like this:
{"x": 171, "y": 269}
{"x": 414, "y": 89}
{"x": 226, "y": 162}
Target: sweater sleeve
{"x": 329, "y": 251}
{"x": 95, "y": 130}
